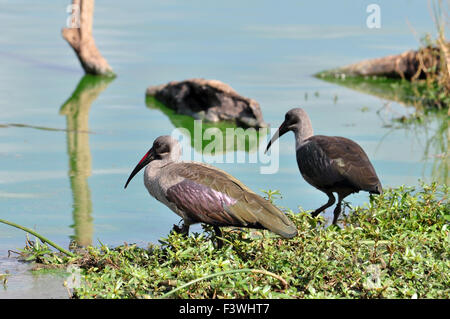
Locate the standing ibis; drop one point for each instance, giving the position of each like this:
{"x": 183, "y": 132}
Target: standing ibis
{"x": 201, "y": 193}
{"x": 329, "y": 163}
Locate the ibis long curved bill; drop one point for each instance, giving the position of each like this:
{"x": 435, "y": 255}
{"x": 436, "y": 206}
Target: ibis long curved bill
{"x": 280, "y": 132}
{"x": 148, "y": 157}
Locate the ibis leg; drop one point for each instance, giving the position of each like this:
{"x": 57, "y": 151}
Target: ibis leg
{"x": 337, "y": 210}
{"x": 331, "y": 201}
{"x": 218, "y": 234}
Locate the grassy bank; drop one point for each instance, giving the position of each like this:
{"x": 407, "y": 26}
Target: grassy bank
{"x": 397, "y": 246}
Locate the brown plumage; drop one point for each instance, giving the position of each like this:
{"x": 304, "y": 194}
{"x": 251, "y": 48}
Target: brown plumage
{"x": 201, "y": 193}
{"x": 329, "y": 163}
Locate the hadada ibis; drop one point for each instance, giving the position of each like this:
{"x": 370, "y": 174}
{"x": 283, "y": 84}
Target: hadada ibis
{"x": 329, "y": 163}
{"x": 201, "y": 193}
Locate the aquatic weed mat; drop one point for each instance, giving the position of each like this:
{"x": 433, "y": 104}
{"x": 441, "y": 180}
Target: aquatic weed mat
{"x": 395, "y": 246}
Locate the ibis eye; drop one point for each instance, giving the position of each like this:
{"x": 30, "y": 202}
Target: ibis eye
{"x": 161, "y": 148}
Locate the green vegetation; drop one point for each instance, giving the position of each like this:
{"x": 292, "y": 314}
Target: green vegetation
{"x": 396, "y": 246}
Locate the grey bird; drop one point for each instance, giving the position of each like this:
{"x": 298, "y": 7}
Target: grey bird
{"x": 201, "y": 193}
{"x": 331, "y": 164}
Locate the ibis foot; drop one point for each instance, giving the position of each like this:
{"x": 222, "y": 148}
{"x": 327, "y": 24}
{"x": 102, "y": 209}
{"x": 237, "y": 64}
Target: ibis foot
{"x": 218, "y": 237}
{"x": 183, "y": 230}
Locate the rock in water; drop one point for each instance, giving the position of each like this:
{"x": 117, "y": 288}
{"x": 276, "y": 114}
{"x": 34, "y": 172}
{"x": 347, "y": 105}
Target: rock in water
{"x": 210, "y": 100}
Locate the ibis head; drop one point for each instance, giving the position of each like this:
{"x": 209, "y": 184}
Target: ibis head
{"x": 164, "y": 148}
{"x": 295, "y": 120}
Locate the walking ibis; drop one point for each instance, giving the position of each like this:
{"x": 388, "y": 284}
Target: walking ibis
{"x": 201, "y": 193}
{"x": 331, "y": 164}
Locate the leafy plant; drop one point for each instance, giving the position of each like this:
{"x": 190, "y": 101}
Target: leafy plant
{"x": 395, "y": 246}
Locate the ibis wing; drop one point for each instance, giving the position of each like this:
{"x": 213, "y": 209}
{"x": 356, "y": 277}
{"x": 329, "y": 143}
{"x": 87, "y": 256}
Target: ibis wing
{"x": 343, "y": 161}
{"x": 203, "y": 204}
{"x": 210, "y": 195}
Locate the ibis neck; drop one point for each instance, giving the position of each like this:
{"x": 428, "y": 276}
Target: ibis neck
{"x": 153, "y": 170}
{"x": 302, "y": 132}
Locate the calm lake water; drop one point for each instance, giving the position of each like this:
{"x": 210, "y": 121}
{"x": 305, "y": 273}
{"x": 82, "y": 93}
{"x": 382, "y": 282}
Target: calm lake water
{"x": 68, "y": 184}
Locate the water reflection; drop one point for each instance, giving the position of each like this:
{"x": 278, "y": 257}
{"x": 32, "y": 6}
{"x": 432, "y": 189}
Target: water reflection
{"x": 440, "y": 141}
{"x": 203, "y": 142}
{"x": 399, "y": 91}
{"x": 76, "y": 110}
{"x": 434, "y": 126}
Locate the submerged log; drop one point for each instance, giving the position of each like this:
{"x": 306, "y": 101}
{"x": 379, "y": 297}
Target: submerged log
{"x": 79, "y": 36}
{"x": 210, "y": 100}
{"x": 409, "y": 65}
